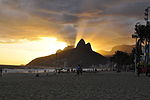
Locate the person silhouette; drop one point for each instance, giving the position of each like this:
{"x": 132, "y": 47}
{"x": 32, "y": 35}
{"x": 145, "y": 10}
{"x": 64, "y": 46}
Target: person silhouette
{"x": 1, "y": 72}
{"x": 79, "y": 70}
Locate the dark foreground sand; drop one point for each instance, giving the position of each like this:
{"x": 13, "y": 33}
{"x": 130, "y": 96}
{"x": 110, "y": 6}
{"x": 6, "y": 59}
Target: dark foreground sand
{"x": 89, "y": 86}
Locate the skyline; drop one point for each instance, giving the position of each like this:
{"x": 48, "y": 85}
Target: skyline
{"x": 102, "y": 23}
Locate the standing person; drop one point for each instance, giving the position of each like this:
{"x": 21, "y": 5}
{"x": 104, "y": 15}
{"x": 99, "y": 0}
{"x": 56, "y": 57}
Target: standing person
{"x": 1, "y": 72}
{"x": 81, "y": 70}
{"x": 37, "y": 74}
{"x": 78, "y": 69}
{"x": 139, "y": 70}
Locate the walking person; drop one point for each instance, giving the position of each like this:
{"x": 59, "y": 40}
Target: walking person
{"x": 79, "y": 70}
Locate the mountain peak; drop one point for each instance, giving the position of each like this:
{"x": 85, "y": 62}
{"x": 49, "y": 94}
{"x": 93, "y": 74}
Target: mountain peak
{"x": 72, "y": 56}
{"x": 81, "y": 44}
{"x": 88, "y": 46}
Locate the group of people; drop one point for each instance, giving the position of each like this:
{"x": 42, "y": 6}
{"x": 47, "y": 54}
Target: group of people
{"x": 78, "y": 69}
{"x": 143, "y": 69}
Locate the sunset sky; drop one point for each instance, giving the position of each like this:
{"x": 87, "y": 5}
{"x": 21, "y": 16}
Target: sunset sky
{"x": 34, "y": 28}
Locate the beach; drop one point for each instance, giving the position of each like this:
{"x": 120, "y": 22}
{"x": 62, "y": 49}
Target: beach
{"x": 69, "y": 86}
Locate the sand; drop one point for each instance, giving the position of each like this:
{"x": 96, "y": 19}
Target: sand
{"x": 68, "y": 86}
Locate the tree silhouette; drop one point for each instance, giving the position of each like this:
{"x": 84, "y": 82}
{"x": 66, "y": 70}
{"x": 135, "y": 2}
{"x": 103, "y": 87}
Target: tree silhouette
{"x": 142, "y": 35}
{"x": 121, "y": 59}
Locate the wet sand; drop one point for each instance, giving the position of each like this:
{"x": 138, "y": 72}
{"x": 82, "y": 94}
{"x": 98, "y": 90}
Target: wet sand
{"x": 68, "y": 86}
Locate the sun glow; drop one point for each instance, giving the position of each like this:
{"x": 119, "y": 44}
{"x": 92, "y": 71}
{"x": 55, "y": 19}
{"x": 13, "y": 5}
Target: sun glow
{"x": 25, "y": 51}
{"x": 52, "y": 43}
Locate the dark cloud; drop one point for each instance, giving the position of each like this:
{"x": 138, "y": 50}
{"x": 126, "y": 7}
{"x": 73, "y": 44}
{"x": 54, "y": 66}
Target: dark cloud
{"x": 30, "y": 19}
{"x": 129, "y": 9}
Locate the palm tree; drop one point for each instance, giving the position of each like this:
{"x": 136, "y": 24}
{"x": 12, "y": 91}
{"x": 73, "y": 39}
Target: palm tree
{"x": 142, "y": 33}
{"x": 140, "y": 38}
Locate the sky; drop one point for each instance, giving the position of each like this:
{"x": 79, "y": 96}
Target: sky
{"x": 34, "y": 28}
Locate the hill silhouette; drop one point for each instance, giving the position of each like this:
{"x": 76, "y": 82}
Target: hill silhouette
{"x": 82, "y": 54}
{"x": 124, "y": 48}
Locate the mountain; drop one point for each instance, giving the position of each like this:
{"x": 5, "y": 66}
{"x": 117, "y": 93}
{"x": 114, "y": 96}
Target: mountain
{"x": 124, "y": 48}
{"x": 82, "y": 54}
